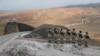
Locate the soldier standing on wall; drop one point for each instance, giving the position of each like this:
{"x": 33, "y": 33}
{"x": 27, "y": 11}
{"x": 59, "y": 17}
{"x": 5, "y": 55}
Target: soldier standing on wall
{"x": 80, "y": 36}
{"x": 86, "y": 39}
{"x": 68, "y": 35}
{"x": 50, "y": 34}
{"x": 74, "y": 34}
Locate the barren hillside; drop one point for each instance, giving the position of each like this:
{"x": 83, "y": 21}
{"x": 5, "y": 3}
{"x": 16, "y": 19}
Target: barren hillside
{"x": 59, "y": 16}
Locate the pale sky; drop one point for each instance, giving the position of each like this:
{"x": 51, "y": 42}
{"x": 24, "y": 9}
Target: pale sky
{"x": 39, "y": 4}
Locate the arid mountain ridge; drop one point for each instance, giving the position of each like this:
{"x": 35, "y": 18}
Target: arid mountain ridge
{"x": 94, "y": 5}
{"x": 60, "y": 16}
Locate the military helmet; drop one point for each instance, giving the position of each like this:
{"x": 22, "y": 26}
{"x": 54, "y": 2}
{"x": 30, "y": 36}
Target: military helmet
{"x": 61, "y": 29}
{"x": 86, "y": 32}
{"x": 80, "y": 31}
{"x": 73, "y": 29}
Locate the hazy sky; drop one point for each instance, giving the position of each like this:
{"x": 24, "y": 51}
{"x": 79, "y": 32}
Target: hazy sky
{"x": 37, "y": 4}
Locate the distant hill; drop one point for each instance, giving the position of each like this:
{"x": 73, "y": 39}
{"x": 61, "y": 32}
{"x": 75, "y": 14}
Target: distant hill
{"x": 60, "y": 16}
{"x": 86, "y": 5}
{"x": 57, "y": 16}
{"x": 9, "y": 10}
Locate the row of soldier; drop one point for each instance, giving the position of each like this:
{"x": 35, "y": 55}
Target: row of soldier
{"x": 60, "y": 35}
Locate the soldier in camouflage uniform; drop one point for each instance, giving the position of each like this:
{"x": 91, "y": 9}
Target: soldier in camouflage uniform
{"x": 80, "y": 36}
{"x": 63, "y": 35}
{"x": 50, "y": 34}
{"x": 86, "y": 39}
{"x": 68, "y": 35}
{"x": 73, "y": 36}
{"x": 56, "y": 34}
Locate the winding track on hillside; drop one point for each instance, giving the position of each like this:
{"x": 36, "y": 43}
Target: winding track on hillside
{"x": 91, "y": 20}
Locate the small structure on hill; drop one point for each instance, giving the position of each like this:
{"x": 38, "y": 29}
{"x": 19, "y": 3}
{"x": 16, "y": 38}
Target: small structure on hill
{"x": 12, "y": 27}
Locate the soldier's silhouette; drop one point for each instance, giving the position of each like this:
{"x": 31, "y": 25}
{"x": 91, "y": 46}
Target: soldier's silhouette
{"x": 86, "y": 39}
{"x": 80, "y": 36}
{"x": 56, "y": 34}
{"x": 68, "y": 35}
{"x": 74, "y": 34}
{"x": 50, "y": 34}
{"x": 63, "y": 35}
